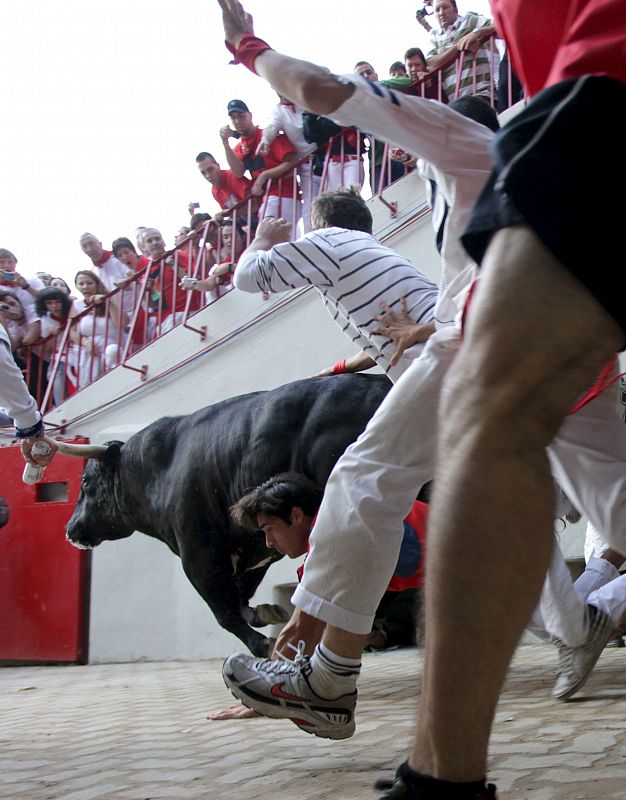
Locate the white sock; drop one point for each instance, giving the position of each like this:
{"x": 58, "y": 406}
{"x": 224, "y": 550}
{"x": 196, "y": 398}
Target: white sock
{"x": 332, "y": 675}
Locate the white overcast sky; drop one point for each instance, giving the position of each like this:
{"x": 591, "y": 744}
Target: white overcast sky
{"x": 105, "y": 105}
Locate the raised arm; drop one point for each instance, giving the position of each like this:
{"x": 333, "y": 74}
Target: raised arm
{"x": 305, "y": 84}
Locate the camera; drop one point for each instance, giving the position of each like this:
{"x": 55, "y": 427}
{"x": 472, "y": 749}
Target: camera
{"x": 7, "y": 275}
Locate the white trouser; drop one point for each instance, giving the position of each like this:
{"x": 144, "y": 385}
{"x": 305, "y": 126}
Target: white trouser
{"x": 344, "y": 173}
{"x": 561, "y": 611}
{"x": 594, "y": 543}
{"x": 285, "y": 207}
{"x": 588, "y": 461}
{"x": 310, "y": 188}
{"x": 356, "y": 540}
{"x": 375, "y": 482}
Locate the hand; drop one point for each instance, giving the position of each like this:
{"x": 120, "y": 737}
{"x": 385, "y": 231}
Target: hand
{"x": 236, "y": 711}
{"x": 471, "y": 41}
{"x": 219, "y": 217}
{"x": 401, "y": 329}
{"x": 188, "y": 283}
{"x": 125, "y": 281}
{"x": 263, "y": 148}
{"x": 301, "y": 627}
{"x": 273, "y": 230}
{"x": 220, "y": 269}
{"x": 236, "y": 21}
{"x": 97, "y": 299}
{"x": 192, "y": 208}
{"x": 225, "y": 133}
{"x": 258, "y": 187}
{"x": 20, "y": 281}
{"x": 40, "y": 461}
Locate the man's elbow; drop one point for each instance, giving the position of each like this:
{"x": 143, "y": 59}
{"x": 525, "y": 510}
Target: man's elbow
{"x": 323, "y": 94}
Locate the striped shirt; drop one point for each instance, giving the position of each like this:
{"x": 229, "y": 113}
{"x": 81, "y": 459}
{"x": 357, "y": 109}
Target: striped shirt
{"x": 484, "y": 64}
{"x": 354, "y": 274}
{"x": 454, "y": 152}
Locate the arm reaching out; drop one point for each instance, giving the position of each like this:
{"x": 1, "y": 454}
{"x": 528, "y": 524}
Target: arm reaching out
{"x": 305, "y": 84}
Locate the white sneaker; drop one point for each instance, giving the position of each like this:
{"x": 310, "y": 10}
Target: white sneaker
{"x": 576, "y": 663}
{"x": 280, "y": 689}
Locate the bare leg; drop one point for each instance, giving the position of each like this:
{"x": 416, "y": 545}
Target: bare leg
{"x": 536, "y": 338}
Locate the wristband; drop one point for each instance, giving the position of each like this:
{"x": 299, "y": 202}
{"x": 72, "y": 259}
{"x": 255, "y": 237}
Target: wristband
{"x": 249, "y": 48}
{"x": 339, "y": 368}
{"x": 26, "y": 433}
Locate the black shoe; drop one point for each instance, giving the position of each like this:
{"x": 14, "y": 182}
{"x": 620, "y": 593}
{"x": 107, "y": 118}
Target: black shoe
{"x": 409, "y": 785}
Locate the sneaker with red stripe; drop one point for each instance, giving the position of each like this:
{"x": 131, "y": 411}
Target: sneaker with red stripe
{"x": 279, "y": 688}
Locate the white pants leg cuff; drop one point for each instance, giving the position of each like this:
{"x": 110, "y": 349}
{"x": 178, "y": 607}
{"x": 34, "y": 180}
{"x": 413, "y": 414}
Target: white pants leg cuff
{"x": 330, "y": 613}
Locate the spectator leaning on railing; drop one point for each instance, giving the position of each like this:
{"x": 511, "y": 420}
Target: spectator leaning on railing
{"x": 281, "y": 199}
{"x": 25, "y": 290}
{"x": 463, "y": 34}
{"x": 228, "y": 189}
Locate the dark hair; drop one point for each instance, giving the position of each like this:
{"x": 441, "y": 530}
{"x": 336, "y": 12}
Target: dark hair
{"x": 361, "y": 63}
{"x": 4, "y": 253}
{"x": 64, "y": 282}
{"x": 199, "y": 218}
{"x": 342, "y": 208}
{"x": 416, "y": 51}
{"x": 203, "y": 155}
{"x": 397, "y": 66}
{"x": 477, "y": 108}
{"x": 52, "y": 293}
{"x": 4, "y": 294}
{"x": 277, "y": 497}
{"x": 123, "y": 241}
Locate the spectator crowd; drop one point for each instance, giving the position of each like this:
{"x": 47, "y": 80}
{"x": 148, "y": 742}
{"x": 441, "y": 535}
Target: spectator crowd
{"x": 139, "y": 289}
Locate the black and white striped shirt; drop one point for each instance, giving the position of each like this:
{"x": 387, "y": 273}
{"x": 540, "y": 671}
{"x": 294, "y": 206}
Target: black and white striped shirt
{"x": 354, "y": 274}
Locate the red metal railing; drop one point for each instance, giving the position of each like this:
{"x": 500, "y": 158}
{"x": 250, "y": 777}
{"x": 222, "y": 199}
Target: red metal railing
{"x": 153, "y": 301}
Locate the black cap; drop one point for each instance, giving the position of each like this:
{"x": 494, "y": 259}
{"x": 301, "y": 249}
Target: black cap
{"x": 238, "y": 105}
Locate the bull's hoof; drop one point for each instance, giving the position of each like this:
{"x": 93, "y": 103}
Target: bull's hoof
{"x": 268, "y": 614}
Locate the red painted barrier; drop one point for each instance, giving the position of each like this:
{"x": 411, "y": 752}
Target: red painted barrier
{"x": 44, "y": 580}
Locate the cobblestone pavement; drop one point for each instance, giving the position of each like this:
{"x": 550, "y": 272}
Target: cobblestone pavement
{"x": 138, "y": 732}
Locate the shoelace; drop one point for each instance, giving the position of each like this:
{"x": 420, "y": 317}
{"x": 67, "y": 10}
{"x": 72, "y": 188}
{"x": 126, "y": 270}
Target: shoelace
{"x": 288, "y": 666}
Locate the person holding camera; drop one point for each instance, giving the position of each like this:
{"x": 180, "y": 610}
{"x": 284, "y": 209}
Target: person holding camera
{"x": 11, "y": 280}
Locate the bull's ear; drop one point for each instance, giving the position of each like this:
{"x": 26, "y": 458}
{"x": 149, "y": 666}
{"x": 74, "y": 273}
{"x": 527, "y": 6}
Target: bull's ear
{"x": 112, "y": 455}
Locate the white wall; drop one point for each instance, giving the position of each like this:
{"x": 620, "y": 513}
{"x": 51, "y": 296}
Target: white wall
{"x": 142, "y": 605}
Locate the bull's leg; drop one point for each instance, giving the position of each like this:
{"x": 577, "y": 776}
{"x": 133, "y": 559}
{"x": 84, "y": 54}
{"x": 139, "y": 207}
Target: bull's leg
{"x": 264, "y": 614}
{"x": 212, "y": 576}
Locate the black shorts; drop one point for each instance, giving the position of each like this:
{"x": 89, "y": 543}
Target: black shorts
{"x": 560, "y": 169}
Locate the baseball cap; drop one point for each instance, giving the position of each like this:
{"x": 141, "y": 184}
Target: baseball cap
{"x": 237, "y": 105}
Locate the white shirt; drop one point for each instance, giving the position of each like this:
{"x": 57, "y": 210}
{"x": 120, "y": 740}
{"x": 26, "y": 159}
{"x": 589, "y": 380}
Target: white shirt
{"x": 285, "y": 119}
{"x": 14, "y": 395}
{"x": 353, "y": 272}
{"x": 454, "y": 152}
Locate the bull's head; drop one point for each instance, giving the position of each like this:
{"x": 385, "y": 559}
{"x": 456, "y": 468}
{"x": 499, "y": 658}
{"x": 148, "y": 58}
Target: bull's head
{"x": 97, "y": 516}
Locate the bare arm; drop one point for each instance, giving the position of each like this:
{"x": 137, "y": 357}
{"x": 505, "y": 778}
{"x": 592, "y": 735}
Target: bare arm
{"x": 234, "y": 164}
{"x": 271, "y": 174}
{"x": 33, "y": 333}
{"x": 357, "y": 363}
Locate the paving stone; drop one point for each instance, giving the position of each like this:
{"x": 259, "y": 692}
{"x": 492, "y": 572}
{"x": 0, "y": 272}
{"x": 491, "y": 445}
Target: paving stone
{"x": 138, "y": 732}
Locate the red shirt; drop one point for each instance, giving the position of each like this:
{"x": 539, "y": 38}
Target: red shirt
{"x": 409, "y": 572}
{"x": 280, "y": 148}
{"x": 231, "y": 190}
{"x": 169, "y": 280}
{"x": 553, "y": 41}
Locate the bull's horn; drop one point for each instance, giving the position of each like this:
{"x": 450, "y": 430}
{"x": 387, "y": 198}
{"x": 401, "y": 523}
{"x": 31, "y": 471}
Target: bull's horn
{"x": 82, "y": 450}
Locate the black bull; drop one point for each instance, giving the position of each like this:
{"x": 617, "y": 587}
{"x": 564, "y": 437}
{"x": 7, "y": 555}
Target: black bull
{"x": 177, "y": 478}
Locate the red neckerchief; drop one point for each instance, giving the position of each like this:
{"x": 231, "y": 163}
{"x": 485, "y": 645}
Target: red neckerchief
{"x": 106, "y": 255}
